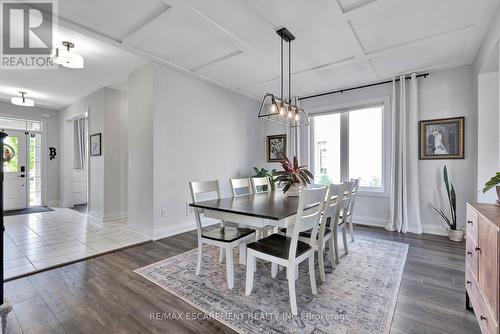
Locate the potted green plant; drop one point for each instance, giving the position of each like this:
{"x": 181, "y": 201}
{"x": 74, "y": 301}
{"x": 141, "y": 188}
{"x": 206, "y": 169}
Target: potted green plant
{"x": 493, "y": 182}
{"x": 265, "y": 173}
{"x": 454, "y": 234}
{"x": 293, "y": 177}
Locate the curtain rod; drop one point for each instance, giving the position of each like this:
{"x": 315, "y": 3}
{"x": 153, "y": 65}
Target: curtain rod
{"x": 342, "y": 91}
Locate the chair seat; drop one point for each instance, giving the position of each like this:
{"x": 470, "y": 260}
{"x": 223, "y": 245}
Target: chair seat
{"x": 307, "y": 234}
{"x": 229, "y": 234}
{"x": 278, "y": 245}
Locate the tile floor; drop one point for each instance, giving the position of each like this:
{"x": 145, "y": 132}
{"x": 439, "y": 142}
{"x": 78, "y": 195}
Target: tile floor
{"x": 40, "y": 240}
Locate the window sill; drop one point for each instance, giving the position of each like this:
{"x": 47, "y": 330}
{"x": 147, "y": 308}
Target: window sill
{"x": 373, "y": 193}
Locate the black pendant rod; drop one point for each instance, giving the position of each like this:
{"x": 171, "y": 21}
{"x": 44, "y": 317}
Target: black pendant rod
{"x": 290, "y": 73}
{"x": 282, "y": 69}
{"x": 342, "y": 91}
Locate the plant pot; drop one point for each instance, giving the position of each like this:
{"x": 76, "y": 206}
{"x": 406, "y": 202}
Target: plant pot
{"x": 456, "y": 235}
{"x": 293, "y": 191}
{"x": 498, "y": 196}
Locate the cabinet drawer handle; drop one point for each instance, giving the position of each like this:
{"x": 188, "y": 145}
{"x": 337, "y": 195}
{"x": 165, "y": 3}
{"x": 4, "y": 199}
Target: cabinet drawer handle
{"x": 470, "y": 222}
{"x": 477, "y": 249}
{"x": 469, "y": 253}
{"x": 482, "y": 317}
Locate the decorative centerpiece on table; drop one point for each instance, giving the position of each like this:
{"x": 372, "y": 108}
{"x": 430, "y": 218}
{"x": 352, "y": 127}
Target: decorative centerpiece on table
{"x": 293, "y": 177}
{"x": 454, "y": 233}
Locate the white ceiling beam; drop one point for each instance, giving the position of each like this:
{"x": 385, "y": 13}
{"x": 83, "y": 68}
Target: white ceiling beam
{"x": 419, "y": 41}
{"x": 359, "y": 51}
{"x": 483, "y": 23}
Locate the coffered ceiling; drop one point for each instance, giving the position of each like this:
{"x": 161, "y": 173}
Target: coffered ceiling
{"x": 340, "y": 43}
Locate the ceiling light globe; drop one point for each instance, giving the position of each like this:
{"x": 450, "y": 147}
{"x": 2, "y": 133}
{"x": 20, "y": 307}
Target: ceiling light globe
{"x": 19, "y": 101}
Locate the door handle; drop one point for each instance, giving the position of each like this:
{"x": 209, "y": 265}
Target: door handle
{"x": 22, "y": 175}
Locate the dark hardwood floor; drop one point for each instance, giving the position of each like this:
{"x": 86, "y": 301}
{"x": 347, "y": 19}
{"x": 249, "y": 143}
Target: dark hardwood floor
{"x": 103, "y": 295}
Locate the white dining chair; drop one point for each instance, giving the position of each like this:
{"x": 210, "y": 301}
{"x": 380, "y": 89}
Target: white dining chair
{"x": 225, "y": 237}
{"x": 261, "y": 185}
{"x": 341, "y": 223}
{"x": 329, "y": 219}
{"x": 290, "y": 251}
{"x": 349, "y": 214}
{"x": 241, "y": 187}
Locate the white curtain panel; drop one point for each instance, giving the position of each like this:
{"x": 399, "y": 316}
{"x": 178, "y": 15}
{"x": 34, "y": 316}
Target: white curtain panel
{"x": 405, "y": 194}
{"x": 80, "y": 142}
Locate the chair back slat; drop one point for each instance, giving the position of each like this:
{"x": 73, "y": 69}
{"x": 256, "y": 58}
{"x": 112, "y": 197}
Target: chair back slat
{"x": 204, "y": 190}
{"x": 354, "y": 194}
{"x": 331, "y": 210}
{"x": 348, "y": 186}
{"x": 311, "y": 203}
{"x": 241, "y": 187}
{"x": 261, "y": 185}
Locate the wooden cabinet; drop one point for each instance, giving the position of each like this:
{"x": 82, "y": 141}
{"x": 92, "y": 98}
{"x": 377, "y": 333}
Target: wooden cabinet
{"x": 482, "y": 270}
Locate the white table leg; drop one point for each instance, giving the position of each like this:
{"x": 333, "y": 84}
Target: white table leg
{"x": 289, "y": 232}
{"x": 243, "y": 254}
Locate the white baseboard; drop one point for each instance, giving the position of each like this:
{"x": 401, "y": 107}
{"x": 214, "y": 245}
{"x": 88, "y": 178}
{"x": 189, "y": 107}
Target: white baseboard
{"x": 182, "y": 227}
{"x": 114, "y": 217}
{"x": 434, "y": 229}
{"x": 380, "y": 222}
{"x": 370, "y": 221}
{"x": 95, "y": 215}
{"x": 53, "y": 203}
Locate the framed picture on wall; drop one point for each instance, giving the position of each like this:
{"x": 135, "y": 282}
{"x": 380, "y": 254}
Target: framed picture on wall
{"x": 95, "y": 145}
{"x": 276, "y": 148}
{"x": 442, "y": 138}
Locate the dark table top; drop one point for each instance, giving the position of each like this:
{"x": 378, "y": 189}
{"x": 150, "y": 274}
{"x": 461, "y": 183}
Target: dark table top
{"x": 273, "y": 205}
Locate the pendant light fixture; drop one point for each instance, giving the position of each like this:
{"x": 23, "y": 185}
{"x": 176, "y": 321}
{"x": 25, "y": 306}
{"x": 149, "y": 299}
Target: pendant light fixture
{"x": 284, "y": 111}
{"x": 67, "y": 58}
{"x": 22, "y": 101}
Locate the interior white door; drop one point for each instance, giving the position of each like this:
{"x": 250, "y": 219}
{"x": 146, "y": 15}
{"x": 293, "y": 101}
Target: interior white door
{"x": 15, "y": 188}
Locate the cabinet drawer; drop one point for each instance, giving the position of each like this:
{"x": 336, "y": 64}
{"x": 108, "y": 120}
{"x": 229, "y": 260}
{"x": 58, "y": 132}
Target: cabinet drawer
{"x": 471, "y": 255}
{"x": 488, "y": 264}
{"x": 483, "y": 314}
{"x": 472, "y": 224}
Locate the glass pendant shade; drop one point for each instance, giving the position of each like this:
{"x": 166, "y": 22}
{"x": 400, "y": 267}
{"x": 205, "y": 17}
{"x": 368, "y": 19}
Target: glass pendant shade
{"x": 297, "y": 116}
{"x": 22, "y": 101}
{"x": 282, "y": 111}
{"x": 68, "y": 58}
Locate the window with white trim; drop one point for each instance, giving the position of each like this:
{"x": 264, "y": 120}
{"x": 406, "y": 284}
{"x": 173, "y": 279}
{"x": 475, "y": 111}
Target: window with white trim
{"x": 349, "y": 144}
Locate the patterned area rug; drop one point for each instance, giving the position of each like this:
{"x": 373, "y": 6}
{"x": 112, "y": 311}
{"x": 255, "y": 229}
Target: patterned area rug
{"x": 359, "y": 295}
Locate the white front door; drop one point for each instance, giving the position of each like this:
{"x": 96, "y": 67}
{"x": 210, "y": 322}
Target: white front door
{"x": 15, "y": 188}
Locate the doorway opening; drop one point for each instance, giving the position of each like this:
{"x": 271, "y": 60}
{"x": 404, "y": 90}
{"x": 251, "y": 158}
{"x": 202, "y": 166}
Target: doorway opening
{"x": 80, "y": 164}
{"x": 23, "y": 163}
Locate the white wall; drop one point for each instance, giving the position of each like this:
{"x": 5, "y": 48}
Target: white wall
{"x": 486, "y": 58}
{"x": 199, "y": 132}
{"x": 115, "y": 150}
{"x": 107, "y": 113}
{"x": 94, "y": 105}
{"x": 51, "y": 133}
{"x": 445, "y": 94}
{"x": 488, "y": 146}
{"x": 140, "y": 149}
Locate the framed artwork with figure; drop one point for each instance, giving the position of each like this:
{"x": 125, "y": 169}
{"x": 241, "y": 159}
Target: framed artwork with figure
{"x": 442, "y": 138}
{"x": 275, "y": 148}
{"x": 95, "y": 145}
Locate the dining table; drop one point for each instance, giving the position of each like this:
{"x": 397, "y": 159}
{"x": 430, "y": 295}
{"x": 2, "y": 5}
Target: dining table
{"x": 264, "y": 210}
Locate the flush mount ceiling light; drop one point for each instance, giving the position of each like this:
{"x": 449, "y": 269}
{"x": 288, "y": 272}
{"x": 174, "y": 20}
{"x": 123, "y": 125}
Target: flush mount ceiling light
{"x": 22, "y": 101}
{"x": 67, "y": 58}
{"x": 284, "y": 111}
